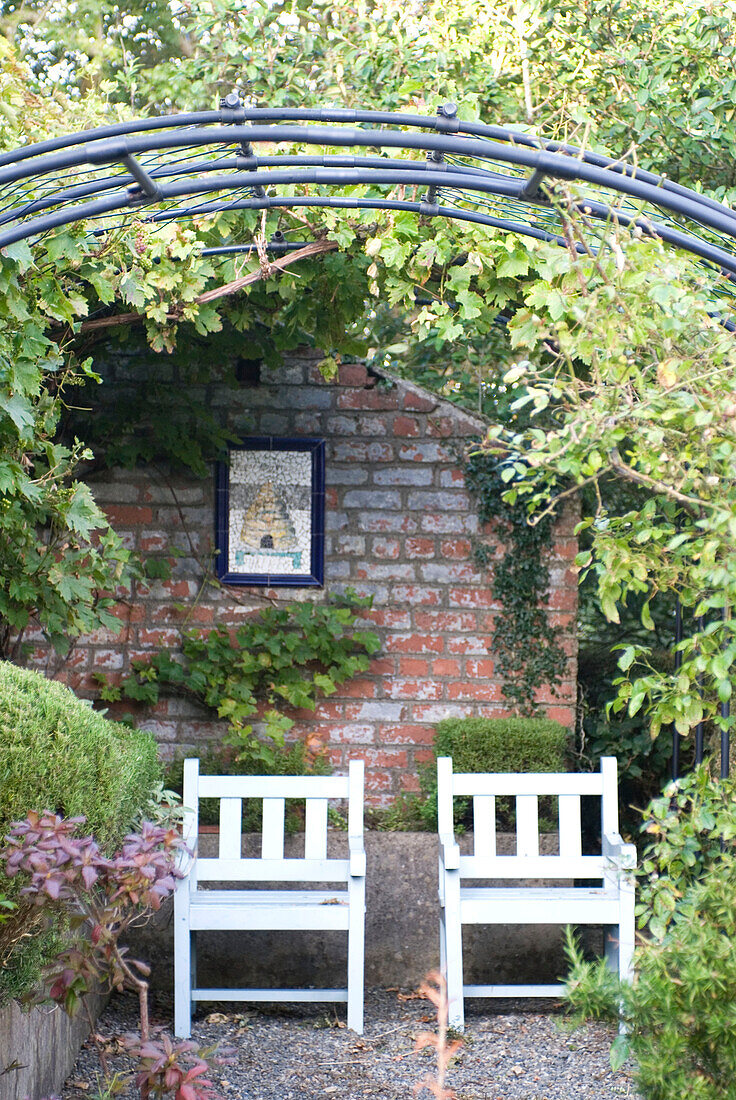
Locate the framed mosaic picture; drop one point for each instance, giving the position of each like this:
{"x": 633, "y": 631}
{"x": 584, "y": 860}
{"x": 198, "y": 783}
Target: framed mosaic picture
{"x": 270, "y": 513}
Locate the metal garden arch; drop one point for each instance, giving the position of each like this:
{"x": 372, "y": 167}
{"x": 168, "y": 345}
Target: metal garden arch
{"x": 241, "y": 157}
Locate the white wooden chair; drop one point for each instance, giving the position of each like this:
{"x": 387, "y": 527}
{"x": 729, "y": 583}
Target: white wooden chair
{"x": 197, "y": 909}
{"x": 611, "y": 903}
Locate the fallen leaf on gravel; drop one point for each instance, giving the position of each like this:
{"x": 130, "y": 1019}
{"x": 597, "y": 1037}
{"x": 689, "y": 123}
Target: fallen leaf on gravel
{"x": 415, "y": 996}
{"x": 217, "y": 1018}
{"x": 83, "y": 1085}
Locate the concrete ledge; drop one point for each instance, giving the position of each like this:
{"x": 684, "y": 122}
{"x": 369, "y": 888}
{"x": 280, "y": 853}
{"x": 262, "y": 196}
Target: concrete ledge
{"x": 38, "y": 1049}
{"x": 402, "y": 931}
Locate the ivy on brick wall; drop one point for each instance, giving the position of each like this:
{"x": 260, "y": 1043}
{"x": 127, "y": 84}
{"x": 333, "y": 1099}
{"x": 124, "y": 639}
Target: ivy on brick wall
{"x": 282, "y": 655}
{"x": 525, "y": 647}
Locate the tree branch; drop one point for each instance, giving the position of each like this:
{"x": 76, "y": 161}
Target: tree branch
{"x": 693, "y": 504}
{"x": 316, "y": 248}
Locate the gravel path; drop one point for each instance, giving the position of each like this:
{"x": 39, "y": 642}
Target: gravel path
{"x": 303, "y": 1052}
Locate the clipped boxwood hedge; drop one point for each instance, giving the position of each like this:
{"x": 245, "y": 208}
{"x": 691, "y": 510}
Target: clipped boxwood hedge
{"x": 494, "y": 745}
{"x": 57, "y": 754}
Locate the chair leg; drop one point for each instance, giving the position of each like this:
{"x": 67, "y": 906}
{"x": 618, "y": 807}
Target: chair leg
{"x": 356, "y": 955}
{"x": 443, "y": 942}
{"x": 183, "y": 977}
{"x": 453, "y": 971}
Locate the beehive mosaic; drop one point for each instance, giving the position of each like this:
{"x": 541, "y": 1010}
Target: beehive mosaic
{"x": 270, "y": 520}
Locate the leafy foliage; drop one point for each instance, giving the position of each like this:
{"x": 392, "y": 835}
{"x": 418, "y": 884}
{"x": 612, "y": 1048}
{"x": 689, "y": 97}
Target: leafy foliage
{"x": 629, "y": 375}
{"x": 691, "y": 826}
{"x": 100, "y": 898}
{"x": 283, "y": 655}
{"x": 525, "y": 648}
{"x": 678, "y": 1011}
{"x": 56, "y": 750}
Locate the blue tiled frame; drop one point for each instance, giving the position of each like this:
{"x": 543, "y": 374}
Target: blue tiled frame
{"x": 315, "y": 579}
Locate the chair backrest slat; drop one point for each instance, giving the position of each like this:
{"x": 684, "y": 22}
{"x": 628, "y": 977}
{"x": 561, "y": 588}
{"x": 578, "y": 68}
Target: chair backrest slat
{"x": 527, "y": 825}
{"x": 570, "y": 826}
{"x": 230, "y": 790}
{"x": 315, "y": 829}
{"x": 231, "y": 827}
{"x": 484, "y": 825}
{"x": 526, "y": 789}
{"x": 272, "y": 840}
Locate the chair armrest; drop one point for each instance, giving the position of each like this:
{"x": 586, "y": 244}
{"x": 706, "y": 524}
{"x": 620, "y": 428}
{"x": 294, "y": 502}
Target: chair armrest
{"x": 449, "y": 852}
{"x": 614, "y": 848}
{"x": 357, "y": 856}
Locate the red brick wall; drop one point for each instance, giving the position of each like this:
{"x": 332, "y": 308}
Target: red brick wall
{"x": 400, "y": 526}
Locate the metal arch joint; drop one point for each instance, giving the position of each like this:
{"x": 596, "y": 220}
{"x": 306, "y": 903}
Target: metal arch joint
{"x": 533, "y": 186}
{"x": 447, "y": 121}
{"x": 145, "y": 185}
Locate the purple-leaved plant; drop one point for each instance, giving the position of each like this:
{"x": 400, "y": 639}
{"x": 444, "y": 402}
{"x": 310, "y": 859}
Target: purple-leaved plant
{"x": 101, "y": 897}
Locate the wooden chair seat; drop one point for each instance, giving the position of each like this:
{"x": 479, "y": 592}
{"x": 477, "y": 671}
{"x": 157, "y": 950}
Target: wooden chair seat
{"x": 263, "y": 909}
{"x": 540, "y": 905}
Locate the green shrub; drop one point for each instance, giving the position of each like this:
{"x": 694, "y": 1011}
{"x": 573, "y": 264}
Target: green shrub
{"x": 57, "y": 754}
{"x": 678, "y": 1012}
{"x": 493, "y": 745}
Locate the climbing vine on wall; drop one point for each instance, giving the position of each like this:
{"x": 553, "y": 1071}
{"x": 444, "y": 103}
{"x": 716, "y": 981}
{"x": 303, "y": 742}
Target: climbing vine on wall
{"x": 525, "y": 647}
{"x": 282, "y": 655}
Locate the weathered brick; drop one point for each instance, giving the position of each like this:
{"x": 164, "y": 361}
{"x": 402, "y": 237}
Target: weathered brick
{"x": 446, "y": 667}
{"x": 413, "y": 666}
{"x": 385, "y": 499}
{"x": 385, "y": 758}
{"x": 480, "y": 669}
{"x": 403, "y": 475}
{"x": 373, "y": 424}
{"x": 405, "y": 426}
{"x": 446, "y": 500}
{"x": 397, "y": 521}
{"x": 406, "y": 735}
{"x": 479, "y": 692}
{"x": 458, "y": 572}
{"x": 452, "y": 479}
{"x": 457, "y": 549}
{"x": 122, "y": 515}
{"x": 396, "y": 571}
{"x": 437, "y": 523}
{"x": 420, "y": 402}
{"x": 379, "y": 710}
{"x": 424, "y": 690}
{"x": 390, "y": 617}
{"x": 385, "y": 548}
{"x": 426, "y": 712}
{"x": 445, "y": 621}
{"x": 470, "y": 597}
{"x": 419, "y": 548}
{"x": 415, "y": 643}
{"x": 349, "y": 544}
{"x": 347, "y": 475}
{"x": 337, "y": 570}
{"x": 423, "y": 452}
{"x": 383, "y": 399}
{"x": 352, "y": 374}
{"x": 341, "y": 425}
{"x": 417, "y": 594}
{"x": 351, "y": 733}
{"x": 469, "y": 644}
